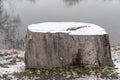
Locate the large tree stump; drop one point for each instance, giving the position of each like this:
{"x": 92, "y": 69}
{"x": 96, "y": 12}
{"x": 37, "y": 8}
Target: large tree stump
{"x": 67, "y": 46}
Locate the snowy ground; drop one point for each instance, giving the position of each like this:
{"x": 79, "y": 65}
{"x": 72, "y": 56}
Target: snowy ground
{"x": 12, "y": 67}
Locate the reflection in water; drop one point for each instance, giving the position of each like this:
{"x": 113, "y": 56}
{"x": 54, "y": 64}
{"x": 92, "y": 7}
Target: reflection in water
{"x": 72, "y": 2}
{"x": 8, "y": 29}
{"x": 75, "y": 2}
{"x": 14, "y": 19}
{"x": 9, "y": 32}
{"x": 32, "y": 1}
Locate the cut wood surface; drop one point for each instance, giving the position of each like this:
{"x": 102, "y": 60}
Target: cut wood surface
{"x": 59, "y": 49}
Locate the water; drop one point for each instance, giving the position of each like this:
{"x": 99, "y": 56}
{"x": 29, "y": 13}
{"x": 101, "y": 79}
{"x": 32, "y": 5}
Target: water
{"x": 16, "y": 15}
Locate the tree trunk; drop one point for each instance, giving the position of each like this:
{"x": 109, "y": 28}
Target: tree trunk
{"x": 61, "y": 49}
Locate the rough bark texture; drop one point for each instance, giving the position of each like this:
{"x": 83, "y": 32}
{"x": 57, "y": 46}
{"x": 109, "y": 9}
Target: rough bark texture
{"x": 61, "y": 49}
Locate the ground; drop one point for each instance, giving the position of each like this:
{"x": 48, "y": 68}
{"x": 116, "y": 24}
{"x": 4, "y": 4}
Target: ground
{"x": 12, "y": 67}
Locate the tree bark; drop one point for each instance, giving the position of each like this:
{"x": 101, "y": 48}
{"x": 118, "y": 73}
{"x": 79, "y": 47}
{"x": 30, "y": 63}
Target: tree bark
{"x": 61, "y": 49}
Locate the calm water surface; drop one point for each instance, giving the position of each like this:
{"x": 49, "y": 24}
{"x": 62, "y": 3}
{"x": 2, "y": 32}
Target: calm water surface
{"x": 16, "y": 15}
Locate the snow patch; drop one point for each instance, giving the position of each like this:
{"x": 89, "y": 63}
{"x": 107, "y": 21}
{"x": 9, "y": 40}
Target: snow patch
{"x": 11, "y": 62}
{"x": 72, "y": 28}
{"x": 13, "y": 68}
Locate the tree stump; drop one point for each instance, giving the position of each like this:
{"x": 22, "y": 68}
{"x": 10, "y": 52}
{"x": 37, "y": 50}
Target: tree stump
{"x": 66, "y": 44}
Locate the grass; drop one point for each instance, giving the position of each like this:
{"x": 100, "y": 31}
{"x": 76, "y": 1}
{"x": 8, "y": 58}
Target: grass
{"x": 70, "y": 72}
{"x": 65, "y": 73}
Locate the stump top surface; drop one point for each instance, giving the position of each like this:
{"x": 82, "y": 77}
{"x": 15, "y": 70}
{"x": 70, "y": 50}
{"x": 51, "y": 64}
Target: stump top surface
{"x": 72, "y": 28}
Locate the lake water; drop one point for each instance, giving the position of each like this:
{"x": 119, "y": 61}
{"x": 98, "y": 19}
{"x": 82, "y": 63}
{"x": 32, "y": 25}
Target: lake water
{"x": 16, "y": 15}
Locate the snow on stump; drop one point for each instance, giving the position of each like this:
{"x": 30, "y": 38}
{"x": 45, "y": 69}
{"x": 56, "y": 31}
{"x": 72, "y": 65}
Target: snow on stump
{"x": 66, "y": 44}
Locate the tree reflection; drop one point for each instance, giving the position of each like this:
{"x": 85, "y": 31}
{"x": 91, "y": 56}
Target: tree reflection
{"x": 72, "y": 2}
{"x": 8, "y": 29}
{"x": 75, "y": 2}
{"x": 34, "y": 1}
